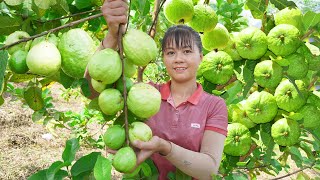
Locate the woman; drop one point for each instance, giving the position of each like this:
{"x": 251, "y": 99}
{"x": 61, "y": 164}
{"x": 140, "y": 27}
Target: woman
{"x": 191, "y": 126}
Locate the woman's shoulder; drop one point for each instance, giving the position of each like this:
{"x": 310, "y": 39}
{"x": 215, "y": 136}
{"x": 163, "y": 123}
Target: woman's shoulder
{"x": 212, "y": 98}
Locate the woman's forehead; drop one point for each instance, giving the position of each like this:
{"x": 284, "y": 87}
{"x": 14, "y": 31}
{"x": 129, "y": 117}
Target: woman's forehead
{"x": 182, "y": 42}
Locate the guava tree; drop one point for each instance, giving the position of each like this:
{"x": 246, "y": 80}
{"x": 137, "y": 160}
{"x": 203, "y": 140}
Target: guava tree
{"x": 266, "y": 67}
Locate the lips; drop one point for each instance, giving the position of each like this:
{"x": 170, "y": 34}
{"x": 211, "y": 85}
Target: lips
{"x": 180, "y": 68}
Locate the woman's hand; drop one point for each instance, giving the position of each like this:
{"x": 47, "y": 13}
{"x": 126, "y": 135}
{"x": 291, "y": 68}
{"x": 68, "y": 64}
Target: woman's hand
{"x": 155, "y": 145}
{"x": 115, "y": 13}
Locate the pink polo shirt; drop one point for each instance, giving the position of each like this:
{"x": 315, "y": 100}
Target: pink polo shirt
{"x": 185, "y": 124}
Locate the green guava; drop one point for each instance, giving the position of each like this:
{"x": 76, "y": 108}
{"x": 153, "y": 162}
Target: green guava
{"x": 251, "y": 43}
{"x": 76, "y": 47}
{"x": 217, "y": 38}
{"x": 217, "y": 67}
{"x": 287, "y": 96}
{"x": 129, "y": 68}
{"x": 44, "y": 59}
{"x": 144, "y": 100}
{"x": 178, "y": 11}
{"x": 98, "y": 86}
{"x": 17, "y": 36}
{"x": 114, "y": 137}
{"x": 110, "y": 101}
{"x": 139, "y": 47}
{"x": 298, "y": 67}
{"x": 292, "y": 16}
{"x": 52, "y": 38}
{"x": 239, "y": 115}
{"x": 285, "y": 132}
{"x": 311, "y": 116}
{"x": 231, "y": 47}
{"x": 204, "y": 18}
{"x": 195, "y": 2}
{"x": 283, "y": 39}
{"x": 139, "y": 131}
{"x": 311, "y": 54}
{"x": 18, "y": 62}
{"x": 124, "y": 160}
{"x": 238, "y": 141}
{"x": 314, "y": 98}
{"x": 267, "y": 74}
{"x": 261, "y": 107}
{"x": 105, "y": 66}
{"x": 119, "y": 84}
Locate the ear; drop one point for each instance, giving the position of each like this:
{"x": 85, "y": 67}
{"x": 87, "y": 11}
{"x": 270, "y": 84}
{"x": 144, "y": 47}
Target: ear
{"x": 201, "y": 56}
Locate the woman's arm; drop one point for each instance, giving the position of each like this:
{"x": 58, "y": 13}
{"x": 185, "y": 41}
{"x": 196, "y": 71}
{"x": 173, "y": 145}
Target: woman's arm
{"x": 200, "y": 165}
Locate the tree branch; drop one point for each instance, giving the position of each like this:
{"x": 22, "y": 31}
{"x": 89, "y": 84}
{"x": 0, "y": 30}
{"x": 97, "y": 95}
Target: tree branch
{"x": 252, "y": 148}
{"x": 294, "y": 172}
{"x": 52, "y": 30}
{"x": 314, "y": 80}
{"x": 307, "y": 34}
{"x": 71, "y": 15}
{"x": 231, "y": 80}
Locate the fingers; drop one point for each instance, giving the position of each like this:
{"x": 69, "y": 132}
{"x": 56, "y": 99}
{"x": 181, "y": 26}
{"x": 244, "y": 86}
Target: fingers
{"x": 152, "y": 144}
{"x": 111, "y": 151}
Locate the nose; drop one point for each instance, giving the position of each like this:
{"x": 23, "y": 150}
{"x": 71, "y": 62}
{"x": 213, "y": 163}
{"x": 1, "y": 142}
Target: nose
{"x": 179, "y": 58}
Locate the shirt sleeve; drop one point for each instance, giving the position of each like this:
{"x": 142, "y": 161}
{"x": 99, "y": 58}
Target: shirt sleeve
{"x": 218, "y": 117}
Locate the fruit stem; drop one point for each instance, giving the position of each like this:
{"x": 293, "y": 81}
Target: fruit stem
{"x": 206, "y": 2}
{"x": 120, "y": 45}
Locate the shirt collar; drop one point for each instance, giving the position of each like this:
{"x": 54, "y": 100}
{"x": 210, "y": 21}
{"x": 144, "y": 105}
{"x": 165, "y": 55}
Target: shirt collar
{"x": 193, "y": 99}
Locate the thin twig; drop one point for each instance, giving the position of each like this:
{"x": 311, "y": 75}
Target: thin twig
{"x": 128, "y": 16}
{"x": 314, "y": 80}
{"x": 252, "y": 148}
{"x": 53, "y": 30}
{"x": 231, "y": 80}
{"x": 294, "y": 172}
{"x": 307, "y": 34}
{"x": 71, "y": 15}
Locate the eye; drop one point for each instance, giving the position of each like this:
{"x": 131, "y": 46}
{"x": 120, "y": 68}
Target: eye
{"x": 170, "y": 53}
{"x": 187, "y": 51}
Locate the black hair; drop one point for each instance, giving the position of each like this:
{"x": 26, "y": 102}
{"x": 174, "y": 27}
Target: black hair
{"x": 181, "y": 35}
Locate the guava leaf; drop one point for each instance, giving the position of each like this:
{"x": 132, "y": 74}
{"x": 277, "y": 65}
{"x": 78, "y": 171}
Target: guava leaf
{"x": 61, "y": 7}
{"x": 9, "y": 24}
{"x": 248, "y": 76}
{"x": 296, "y": 156}
{"x": 81, "y": 4}
{"x": 146, "y": 169}
{"x": 85, "y": 163}
{"x": 154, "y": 170}
{"x": 17, "y": 78}
{"x": 33, "y": 97}
{"x": 1, "y": 100}
{"x": 311, "y": 19}
{"x": 233, "y": 91}
{"x": 181, "y": 175}
{"x": 42, "y": 174}
{"x": 54, "y": 169}
{"x": 72, "y": 146}
{"x": 257, "y": 8}
{"x": 281, "y": 4}
{"x": 3, "y": 66}
{"x": 102, "y": 168}
{"x": 13, "y": 2}
{"x": 44, "y": 4}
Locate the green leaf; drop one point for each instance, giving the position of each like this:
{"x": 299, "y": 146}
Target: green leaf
{"x": 3, "y": 66}
{"x": 81, "y": 4}
{"x": 257, "y": 8}
{"x": 33, "y": 97}
{"x": 248, "y": 76}
{"x": 281, "y": 4}
{"x": 17, "y": 78}
{"x": 13, "y": 2}
{"x": 85, "y": 87}
{"x": 42, "y": 174}
{"x": 311, "y": 19}
{"x": 61, "y": 7}
{"x": 146, "y": 169}
{"x": 85, "y": 163}
{"x": 102, "y": 168}
{"x": 1, "y": 100}
{"x": 296, "y": 156}
{"x": 45, "y": 4}
{"x": 53, "y": 169}
{"x": 154, "y": 170}
{"x": 37, "y": 115}
{"x": 181, "y": 175}
{"x": 171, "y": 176}
{"x": 233, "y": 91}
{"x": 72, "y": 146}
{"x": 9, "y": 24}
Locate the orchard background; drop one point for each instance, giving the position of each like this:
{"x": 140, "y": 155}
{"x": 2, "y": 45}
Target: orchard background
{"x": 65, "y": 138}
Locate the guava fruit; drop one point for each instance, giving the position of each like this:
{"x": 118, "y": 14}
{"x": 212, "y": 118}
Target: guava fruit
{"x": 311, "y": 54}
{"x": 76, "y": 47}
{"x": 139, "y": 47}
{"x": 195, "y": 2}
{"x": 105, "y": 66}
{"x": 298, "y": 67}
{"x": 110, "y": 101}
{"x": 114, "y": 137}
{"x": 124, "y": 160}
{"x": 238, "y": 141}
{"x": 44, "y": 59}
{"x": 217, "y": 38}
{"x": 139, "y": 131}
{"x": 119, "y": 84}
{"x": 311, "y": 116}
{"x": 231, "y": 47}
{"x": 144, "y": 100}
{"x": 292, "y": 16}
{"x": 217, "y": 67}
{"x": 98, "y": 86}
{"x": 239, "y": 115}
{"x": 287, "y": 96}
{"x": 129, "y": 68}
{"x": 261, "y": 107}
{"x": 267, "y": 74}
{"x": 178, "y": 11}
{"x": 251, "y": 43}
{"x": 18, "y": 62}
{"x": 285, "y": 132}
{"x": 17, "y": 36}
{"x": 204, "y": 18}
{"x": 283, "y": 39}
{"x": 52, "y": 38}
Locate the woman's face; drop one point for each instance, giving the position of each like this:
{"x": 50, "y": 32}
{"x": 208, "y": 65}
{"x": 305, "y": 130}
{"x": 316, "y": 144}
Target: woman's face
{"x": 182, "y": 63}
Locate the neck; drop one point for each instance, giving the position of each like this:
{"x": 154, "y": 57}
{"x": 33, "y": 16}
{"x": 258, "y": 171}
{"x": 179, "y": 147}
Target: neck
{"x": 183, "y": 90}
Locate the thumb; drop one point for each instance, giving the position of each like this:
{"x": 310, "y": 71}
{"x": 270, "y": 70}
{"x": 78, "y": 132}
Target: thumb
{"x": 143, "y": 145}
